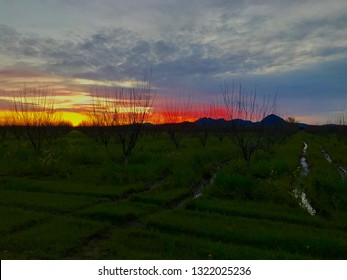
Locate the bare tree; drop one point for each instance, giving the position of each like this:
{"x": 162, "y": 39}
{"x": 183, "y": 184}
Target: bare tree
{"x": 174, "y": 116}
{"x": 204, "y": 126}
{"x": 34, "y": 109}
{"x": 341, "y": 117}
{"x": 246, "y": 111}
{"x": 291, "y": 120}
{"x": 340, "y": 120}
{"x": 134, "y": 111}
{"x": 219, "y": 114}
{"x": 123, "y": 112}
{"x": 4, "y": 125}
{"x": 213, "y": 122}
{"x": 101, "y": 115}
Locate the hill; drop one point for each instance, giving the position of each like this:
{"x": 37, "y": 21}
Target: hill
{"x": 269, "y": 120}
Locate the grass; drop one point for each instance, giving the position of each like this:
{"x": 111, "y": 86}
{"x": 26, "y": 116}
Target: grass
{"x": 74, "y": 199}
{"x": 117, "y": 212}
{"x": 49, "y": 240}
{"x": 58, "y": 203}
{"x": 324, "y": 184}
{"x": 151, "y": 244}
{"x": 269, "y": 235}
{"x": 65, "y": 186}
{"x": 162, "y": 197}
{"x": 14, "y": 219}
{"x": 254, "y": 210}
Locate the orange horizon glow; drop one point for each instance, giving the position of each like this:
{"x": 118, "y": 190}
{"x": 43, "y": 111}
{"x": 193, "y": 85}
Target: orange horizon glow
{"x": 77, "y": 119}
{"x": 73, "y": 100}
{"x": 74, "y": 117}
{"x": 73, "y": 106}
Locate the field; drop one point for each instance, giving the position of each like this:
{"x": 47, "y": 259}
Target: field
{"x": 76, "y": 200}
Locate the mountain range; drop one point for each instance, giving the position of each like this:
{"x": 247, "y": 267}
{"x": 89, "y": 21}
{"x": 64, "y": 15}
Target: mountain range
{"x": 269, "y": 120}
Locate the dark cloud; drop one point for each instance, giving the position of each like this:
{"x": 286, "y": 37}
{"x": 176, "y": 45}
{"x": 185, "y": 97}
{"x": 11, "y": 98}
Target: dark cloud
{"x": 119, "y": 53}
{"x": 197, "y": 44}
{"x": 231, "y": 45}
{"x": 110, "y": 54}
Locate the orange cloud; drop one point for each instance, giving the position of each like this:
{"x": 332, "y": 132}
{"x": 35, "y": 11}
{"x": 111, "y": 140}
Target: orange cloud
{"x": 72, "y": 97}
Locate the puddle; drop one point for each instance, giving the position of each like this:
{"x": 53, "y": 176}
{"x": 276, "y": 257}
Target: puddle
{"x": 303, "y": 162}
{"x": 304, "y": 166}
{"x": 304, "y": 203}
{"x": 304, "y": 150}
{"x": 204, "y": 184}
{"x": 326, "y": 156}
{"x": 343, "y": 172}
{"x": 300, "y": 195}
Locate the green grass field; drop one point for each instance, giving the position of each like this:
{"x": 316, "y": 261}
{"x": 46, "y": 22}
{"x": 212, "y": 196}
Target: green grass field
{"x": 75, "y": 200}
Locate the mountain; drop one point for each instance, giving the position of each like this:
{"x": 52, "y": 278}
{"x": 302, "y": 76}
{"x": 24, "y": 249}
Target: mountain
{"x": 240, "y": 122}
{"x": 272, "y": 120}
{"x": 267, "y": 121}
{"x": 208, "y": 121}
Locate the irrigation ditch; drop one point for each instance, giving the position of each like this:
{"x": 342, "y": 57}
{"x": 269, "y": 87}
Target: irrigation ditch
{"x": 298, "y": 193}
{"x": 341, "y": 170}
{"x": 203, "y": 184}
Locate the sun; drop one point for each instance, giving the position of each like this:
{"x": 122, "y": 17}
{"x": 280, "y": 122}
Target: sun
{"x": 74, "y": 118}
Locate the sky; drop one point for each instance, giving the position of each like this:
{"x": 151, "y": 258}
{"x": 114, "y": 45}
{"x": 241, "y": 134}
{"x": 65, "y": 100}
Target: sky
{"x": 295, "y": 48}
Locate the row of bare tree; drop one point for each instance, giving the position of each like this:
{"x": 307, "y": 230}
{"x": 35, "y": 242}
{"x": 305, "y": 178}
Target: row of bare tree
{"x": 121, "y": 114}
{"x": 33, "y": 114}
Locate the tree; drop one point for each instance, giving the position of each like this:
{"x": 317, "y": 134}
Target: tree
{"x": 341, "y": 122}
{"x": 134, "y": 111}
{"x": 174, "y": 117}
{"x": 4, "y": 127}
{"x": 216, "y": 111}
{"x": 291, "y": 120}
{"x": 34, "y": 109}
{"x": 246, "y": 112}
{"x": 204, "y": 126}
{"x": 101, "y": 115}
{"x": 123, "y": 112}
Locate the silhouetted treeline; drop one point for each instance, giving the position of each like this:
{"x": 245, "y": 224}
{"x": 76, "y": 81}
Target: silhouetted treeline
{"x": 339, "y": 130}
{"x": 35, "y": 134}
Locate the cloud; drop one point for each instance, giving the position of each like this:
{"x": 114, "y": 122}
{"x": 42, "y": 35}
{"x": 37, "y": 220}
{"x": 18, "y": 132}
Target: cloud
{"x": 194, "y": 45}
{"x": 200, "y": 37}
{"x": 4, "y": 105}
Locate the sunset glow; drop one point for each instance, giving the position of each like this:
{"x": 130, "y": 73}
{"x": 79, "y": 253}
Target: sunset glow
{"x": 135, "y": 131}
{"x": 297, "y": 50}
{"x": 74, "y": 118}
